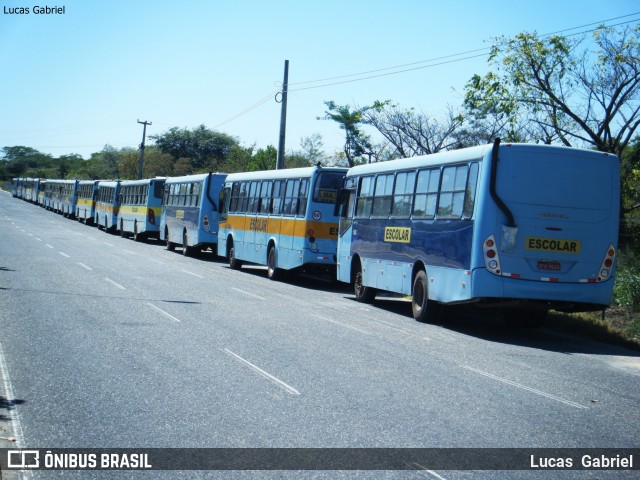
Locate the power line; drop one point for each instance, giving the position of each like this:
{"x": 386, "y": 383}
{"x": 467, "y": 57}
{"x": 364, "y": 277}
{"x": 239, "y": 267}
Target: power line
{"x": 248, "y": 109}
{"x": 386, "y": 74}
{"x": 430, "y": 64}
{"x": 407, "y": 67}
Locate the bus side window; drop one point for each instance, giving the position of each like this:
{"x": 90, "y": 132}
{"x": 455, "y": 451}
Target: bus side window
{"x": 197, "y": 190}
{"x": 452, "y": 190}
{"x": 244, "y": 197}
{"x": 278, "y": 196}
{"x": 470, "y": 197}
{"x": 254, "y": 199}
{"x": 302, "y": 197}
{"x": 235, "y": 195}
{"x": 382, "y": 196}
{"x": 426, "y": 194}
{"x": 289, "y": 209}
{"x": 365, "y": 200}
{"x": 403, "y": 194}
{"x": 265, "y": 196}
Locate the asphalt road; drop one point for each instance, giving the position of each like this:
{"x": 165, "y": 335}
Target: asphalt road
{"x": 106, "y": 342}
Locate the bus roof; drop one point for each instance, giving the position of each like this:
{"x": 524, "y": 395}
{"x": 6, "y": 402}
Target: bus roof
{"x": 144, "y": 181}
{"x": 193, "y": 178}
{"x": 108, "y": 183}
{"x": 462, "y": 155}
{"x": 304, "y": 172}
{"x": 60, "y": 181}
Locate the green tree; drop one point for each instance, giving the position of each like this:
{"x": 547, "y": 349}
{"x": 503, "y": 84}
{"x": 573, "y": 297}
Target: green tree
{"x": 357, "y": 144}
{"x": 311, "y": 148}
{"x": 238, "y": 159}
{"x": 21, "y": 161}
{"x": 414, "y": 133}
{"x": 264, "y": 159}
{"x": 563, "y": 90}
{"x": 205, "y": 149}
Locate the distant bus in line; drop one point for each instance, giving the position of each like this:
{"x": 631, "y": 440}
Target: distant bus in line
{"x": 67, "y": 197}
{"x": 140, "y": 208}
{"x": 283, "y": 219}
{"x": 190, "y": 212}
{"x": 30, "y": 189}
{"x": 16, "y": 187}
{"x": 107, "y": 205}
{"x": 86, "y": 200}
{"x": 521, "y": 228}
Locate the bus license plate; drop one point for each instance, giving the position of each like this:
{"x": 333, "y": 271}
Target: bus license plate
{"x": 548, "y": 266}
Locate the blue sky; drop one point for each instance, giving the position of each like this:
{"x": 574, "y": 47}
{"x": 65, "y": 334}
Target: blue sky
{"x": 75, "y": 82}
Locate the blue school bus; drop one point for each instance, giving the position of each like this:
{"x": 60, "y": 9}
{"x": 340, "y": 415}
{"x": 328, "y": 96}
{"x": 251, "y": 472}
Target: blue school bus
{"x": 283, "y": 219}
{"x": 107, "y": 204}
{"x": 86, "y": 200}
{"x": 522, "y": 228}
{"x": 140, "y": 208}
{"x": 190, "y": 212}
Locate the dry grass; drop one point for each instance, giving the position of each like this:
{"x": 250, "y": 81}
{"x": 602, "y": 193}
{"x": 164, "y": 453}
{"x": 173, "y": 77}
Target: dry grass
{"x": 618, "y": 327}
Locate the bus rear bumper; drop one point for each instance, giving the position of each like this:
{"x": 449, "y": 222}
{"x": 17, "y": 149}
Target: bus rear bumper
{"x": 487, "y": 287}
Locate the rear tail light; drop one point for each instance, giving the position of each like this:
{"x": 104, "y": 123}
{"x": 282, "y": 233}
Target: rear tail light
{"x": 490, "y": 253}
{"x": 312, "y": 240}
{"x": 607, "y": 264}
{"x": 205, "y": 223}
{"x": 151, "y": 216}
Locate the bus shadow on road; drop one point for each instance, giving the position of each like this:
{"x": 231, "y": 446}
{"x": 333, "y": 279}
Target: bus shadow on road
{"x": 486, "y": 325}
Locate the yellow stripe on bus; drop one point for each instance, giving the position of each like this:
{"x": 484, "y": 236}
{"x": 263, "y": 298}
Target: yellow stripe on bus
{"x": 102, "y": 207}
{"x": 139, "y": 209}
{"x": 282, "y": 226}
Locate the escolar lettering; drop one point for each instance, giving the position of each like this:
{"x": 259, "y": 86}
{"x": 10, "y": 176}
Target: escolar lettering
{"x": 397, "y": 234}
{"x": 258, "y": 224}
{"x": 553, "y": 245}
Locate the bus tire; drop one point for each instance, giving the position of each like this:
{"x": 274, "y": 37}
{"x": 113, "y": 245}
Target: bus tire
{"x": 424, "y": 310}
{"x": 273, "y": 272}
{"x": 363, "y": 294}
{"x": 123, "y": 234}
{"x": 136, "y": 236}
{"x": 234, "y": 263}
{"x": 170, "y": 245}
{"x": 186, "y": 249}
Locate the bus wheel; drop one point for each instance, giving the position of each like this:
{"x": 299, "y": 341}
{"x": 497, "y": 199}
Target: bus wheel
{"x": 186, "y": 249}
{"x": 123, "y": 234}
{"x": 363, "y": 294}
{"x": 170, "y": 246}
{"x": 234, "y": 263}
{"x": 136, "y": 235}
{"x": 424, "y": 310}
{"x": 273, "y": 272}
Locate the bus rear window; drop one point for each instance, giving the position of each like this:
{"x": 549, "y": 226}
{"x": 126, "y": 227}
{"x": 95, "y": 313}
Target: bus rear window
{"x": 326, "y": 188}
{"x": 561, "y": 181}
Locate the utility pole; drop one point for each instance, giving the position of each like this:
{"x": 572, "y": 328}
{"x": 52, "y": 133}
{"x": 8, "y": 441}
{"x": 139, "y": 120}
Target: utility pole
{"x": 283, "y": 117}
{"x": 144, "y": 134}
